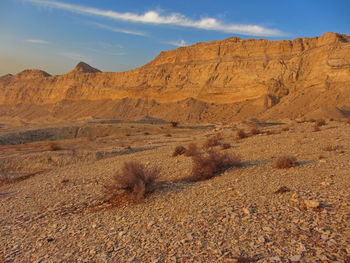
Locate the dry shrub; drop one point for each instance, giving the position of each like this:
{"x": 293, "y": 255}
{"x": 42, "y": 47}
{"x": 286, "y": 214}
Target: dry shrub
{"x": 146, "y": 133}
{"x": 320, "y": 123}
{"x": 285, "y": 129}
{"x": 192, "y": 150}
{"x": 212, "y": 141}
{"x": 207, "y": 166}
{"x": 179, "y": 150}
{"x": 254, "y": 131}
{"x": 168, "y": 135}
{"x": 134, "y": 182}
{"x": 241, "y": 134}
{"x": 54, "y": 147}
{"x": 225, "y": 146}
{"x": 286, "y": 161}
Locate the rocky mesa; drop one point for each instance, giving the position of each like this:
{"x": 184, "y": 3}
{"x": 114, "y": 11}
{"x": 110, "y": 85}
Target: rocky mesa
{"x": 233, "y": 77}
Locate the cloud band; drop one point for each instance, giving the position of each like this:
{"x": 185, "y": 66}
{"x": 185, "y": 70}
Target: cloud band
{"x": 153, "y": 17}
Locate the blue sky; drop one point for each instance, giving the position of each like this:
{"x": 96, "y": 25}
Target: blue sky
{"x": 114, "y": 35}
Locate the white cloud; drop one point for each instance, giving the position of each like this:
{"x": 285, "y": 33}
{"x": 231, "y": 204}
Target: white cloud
{"x": 118, "y": 30}
{"x": 37, "y": 41}
{"x": 153, "y": 17}
{"x": 178, "y": 43}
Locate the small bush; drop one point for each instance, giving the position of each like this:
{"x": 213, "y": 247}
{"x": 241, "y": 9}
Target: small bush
{"x": 241, "y": 134}
{"x": 285, "y": 162}
{"x": 212, "y": 141}
{"x": 168, "y": 135}
{"x": 207, "y": 166}
{"x": 134, "y": 180}
{"x": 254, "y": 131}
{"x": 55, "y": 147}
{"x": 179, "y": 150}
{"x": 174, "y": 124}
{"x": 225, "y": 146}
{"x": 320, "y": 123}
{"x": 192, "y": 150}
{"x": 285, "y": 129}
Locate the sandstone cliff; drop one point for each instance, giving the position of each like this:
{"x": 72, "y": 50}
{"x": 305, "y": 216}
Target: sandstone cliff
{"x": 288, "y": 78}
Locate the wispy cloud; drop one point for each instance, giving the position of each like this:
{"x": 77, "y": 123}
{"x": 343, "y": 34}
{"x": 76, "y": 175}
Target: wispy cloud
{"x": 178, "y": 43}
{"x": 118, "y": 30}
{"x": 37, "y": 41}
{"x": 154, "y": 17}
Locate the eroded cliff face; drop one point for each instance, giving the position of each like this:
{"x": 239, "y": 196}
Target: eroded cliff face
{"x": 228, "y": 71}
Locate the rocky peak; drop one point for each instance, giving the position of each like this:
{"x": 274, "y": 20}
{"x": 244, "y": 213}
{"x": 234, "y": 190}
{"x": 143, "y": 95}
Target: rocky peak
{"x": 83, "y": 67}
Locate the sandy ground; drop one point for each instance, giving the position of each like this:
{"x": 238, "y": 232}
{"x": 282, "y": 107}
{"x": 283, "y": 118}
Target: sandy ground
{"x": 56, "y": 211}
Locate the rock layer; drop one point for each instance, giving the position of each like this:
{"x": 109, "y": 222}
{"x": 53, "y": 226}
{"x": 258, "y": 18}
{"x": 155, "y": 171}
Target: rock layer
{"x": 258, "y": 72}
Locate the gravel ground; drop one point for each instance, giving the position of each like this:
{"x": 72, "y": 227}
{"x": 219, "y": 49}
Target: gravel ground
{"x": 60, "y": 215}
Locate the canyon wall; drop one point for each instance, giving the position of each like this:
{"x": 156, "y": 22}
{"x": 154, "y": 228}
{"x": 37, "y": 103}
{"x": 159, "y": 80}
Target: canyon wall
{"x": 264, "y": 73}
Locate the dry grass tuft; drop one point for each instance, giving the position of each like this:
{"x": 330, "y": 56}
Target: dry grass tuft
{"x": 320, "y": 123}
{"x": 316, "y": 128}
{"x": 54, "y": 147}
{"x": 331, "y": 148}
{"x": 285, "y": 129}
{"x": 192, "y": 150}
{"x": 225, "y": 146}
{"x": 255, "y": 131}
{"x": 5, "y": 179}
{"x": 268, "y": 132}
{"x": 285, "y": 162}
{"x": 207, "y": 166}
{"x": 134, "y": 182}
{"x": 179, "y": 150}
{"x": 241, "y": 134}
{"x": 282, "y": 189}
{"x": 212, "y": 141}
{"x": 174, "y": 124}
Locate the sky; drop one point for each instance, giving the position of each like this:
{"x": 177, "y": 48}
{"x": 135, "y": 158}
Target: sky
{"x": 115, "y": 35}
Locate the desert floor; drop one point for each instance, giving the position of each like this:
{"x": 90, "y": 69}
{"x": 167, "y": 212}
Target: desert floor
{"x": 53, "y": 203}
